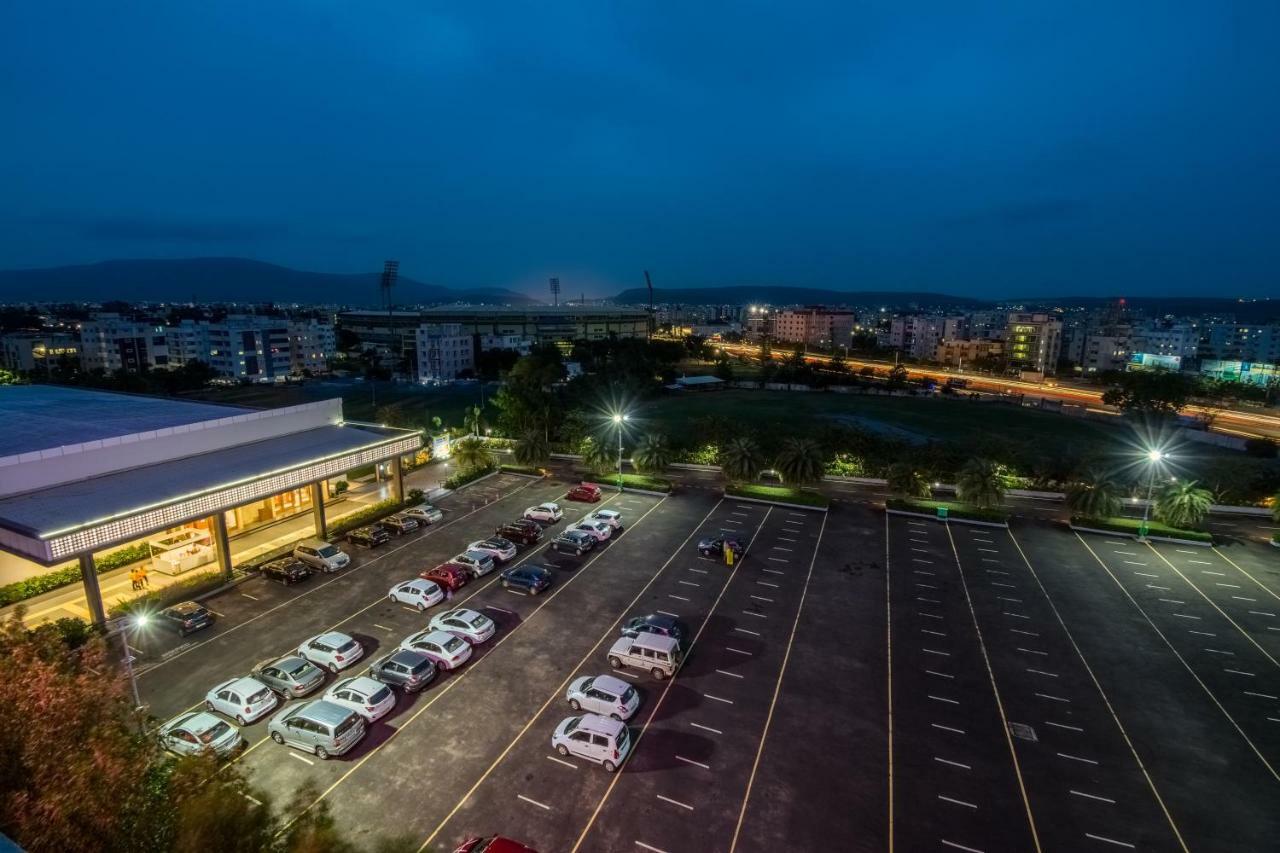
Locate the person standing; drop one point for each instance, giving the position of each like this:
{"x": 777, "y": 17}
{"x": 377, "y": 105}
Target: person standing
{"x": 133, "y": 578}
{"x": 142, "y": 577}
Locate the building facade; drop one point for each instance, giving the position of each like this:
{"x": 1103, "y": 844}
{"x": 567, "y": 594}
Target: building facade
{"x": 1033, "y": 342}
{"x": 110, "y": 342}
{"x": 251, "y": 347}
{"x": 312, "y": 343}
{"x": 814, "y": 326}
{"x": 964, "y": 352}
{"x": 443, "y": 352}
{"x": 36, "y": 352}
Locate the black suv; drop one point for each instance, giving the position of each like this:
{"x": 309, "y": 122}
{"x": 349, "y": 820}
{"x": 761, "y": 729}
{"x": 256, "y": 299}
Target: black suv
{"x": 286, "y": 570}
{"x": 369, "y": 537}
{"x": 522, "y": 533}
{"x": 185, "y": 617}
{"x": 409, "y": 670}
{"x": 657, "y": 623}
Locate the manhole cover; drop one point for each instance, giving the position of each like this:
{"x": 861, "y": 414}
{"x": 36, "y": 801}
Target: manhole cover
{"x": 1022, "y": 731}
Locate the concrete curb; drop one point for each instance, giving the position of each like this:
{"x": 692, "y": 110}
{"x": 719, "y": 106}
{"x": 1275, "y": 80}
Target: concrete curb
{"x": 612, "y": 488}
{"x": 948, "y": 519}
{"x": 1137, "y": 538}
{"x": 787, "y": 504}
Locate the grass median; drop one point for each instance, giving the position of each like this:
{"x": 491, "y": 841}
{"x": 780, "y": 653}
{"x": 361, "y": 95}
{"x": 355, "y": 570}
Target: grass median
{"x": 955, "y": 509}
{"x": 1132, "y": 526}
{"x": 633, "y": 481}
{"x": 778, "y": 494}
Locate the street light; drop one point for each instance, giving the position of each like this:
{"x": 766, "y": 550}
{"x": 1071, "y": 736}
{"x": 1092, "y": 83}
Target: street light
{"x": 123, "y": 625}
{"x": 1154, "y": 457}
{"x": 618, "y": 420}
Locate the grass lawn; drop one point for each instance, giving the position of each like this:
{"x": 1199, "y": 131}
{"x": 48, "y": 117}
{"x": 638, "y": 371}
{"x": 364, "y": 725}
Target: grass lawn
{"x": 635, "y": 481}
{"x": 955, "y": 509}
{"x": 784, "y": 494}
{"x": 1131, "y": 525}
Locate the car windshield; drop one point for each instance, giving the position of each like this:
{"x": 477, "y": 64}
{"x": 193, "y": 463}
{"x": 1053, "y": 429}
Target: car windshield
{"x": 479, "y": 621}
{"x": 327, "y": 551}
{"x": 215, "y": 732}
{"x": 573, "y": 724}
{"x": 421, "y": 667}
{"x": 453, "y": 644}
{"x": 586, "y": 685}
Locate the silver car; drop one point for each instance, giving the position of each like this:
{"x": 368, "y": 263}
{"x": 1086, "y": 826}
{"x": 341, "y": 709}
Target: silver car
{"x": 197, "y": 732}
{"x": 242, "y": 699}
{"x": 319, "y": 727}
{"x": 425, "y": 514}
{"x": 477, "y": 563}
{"x": 289, "y": 676}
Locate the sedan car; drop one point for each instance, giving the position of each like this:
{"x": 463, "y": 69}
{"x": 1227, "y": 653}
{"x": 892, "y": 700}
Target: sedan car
{"x": 603, "y": 694}
{"x": 369, "y": 537}
{"x": 471, "y": 626}
{"x": 546, "y": 513}
{"x": 450, "y": 576}
{"x": 185, "y": 617}
{"x": 584, "y": 492}
{"x": 493, "y": 844}
{"x": 290, "y": 675}
{"x": 425, "y": 514}
{"x": 597, "y": 529}
{"x": 242, "y": 699}
{"x": 714, "y": 546}
{"x": 530, "y": 579}
{"x": 369, "y": 698}
{"x": 286, "y": 570}
{"x": 417, "y": 593}
{"x": 410, "y": 671}
{"x": 611, "y": 517}
{"x": 521, "y": 532}
{"x": 198, "y": 732}
{"x": 333, "y": 651}
{"x": 400, "y": 523}
{"x": 573, "y": 542}
{"x": 656, "y": 623}
{"x": 444, "y": 649}
{"x": 476, "y": 563}
{"x": 500, "y": 549}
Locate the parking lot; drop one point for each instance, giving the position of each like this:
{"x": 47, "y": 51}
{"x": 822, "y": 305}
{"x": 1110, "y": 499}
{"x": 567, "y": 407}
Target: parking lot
{"x": 856, "y": 682}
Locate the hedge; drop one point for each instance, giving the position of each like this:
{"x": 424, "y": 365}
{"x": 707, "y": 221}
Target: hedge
{"x": 463, "y": 477}
{"x": 368, "y": 515}
{"x": 635, "y": 481}
{"x": 784, "y": 494}
{"x": 67, "y": 575}
{"x": 1131, "y": 525}
{"x": 955, "y": 509}
{"x": 527, "y": 470}
{"x": 160, "y": 598}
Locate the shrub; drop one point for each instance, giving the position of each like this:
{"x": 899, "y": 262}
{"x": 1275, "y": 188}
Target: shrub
{"x": 181, "y": 590}
{"x": 415, "y": 496}
{"x": 340, "y": 487}
{"x": 846, "y": 465}
{"x": 635, "y": 481}
{"x": 781, "y": 494}
{"x": 955, "y": 509}
{"x": 463, "y": 477}
{"x": 528, "y": 470}
{"x": 1131, "y": 525}
{"x": 67, "y": 575}
{"x": 368, "y": 515}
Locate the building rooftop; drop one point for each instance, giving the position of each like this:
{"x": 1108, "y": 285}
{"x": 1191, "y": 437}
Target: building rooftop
{"x": 40, "y": 417}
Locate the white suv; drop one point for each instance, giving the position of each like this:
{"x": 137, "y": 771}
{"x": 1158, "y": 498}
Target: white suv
{"x": 500, "y": 549}
{"x": 477, "y": 563}
{"x": 547, "y": 513}
{"x": 593, "y": 737}
{"x": 321, "y": 555}
{"x": 598, "y": 530}
{"x": 333, "y": 651}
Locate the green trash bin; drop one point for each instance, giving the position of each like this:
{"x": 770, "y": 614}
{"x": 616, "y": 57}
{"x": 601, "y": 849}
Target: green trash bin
{"x": 942, "y": 512}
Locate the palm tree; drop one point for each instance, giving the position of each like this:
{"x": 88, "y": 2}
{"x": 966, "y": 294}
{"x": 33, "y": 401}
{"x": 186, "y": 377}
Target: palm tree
{"x": 907, "y": 482}
{"x": 741, "y": 459}
{"x": 531, "y": 448}
{"x": 1275, "y": 506}
{"x": 979, "y": 483}
{"x": 471, "y": 420}
{"x": 1183, "y": 504}
{"x": 653, "y": 454}
{"x": 597, "y": 456}
{"x": 436, "y": 424}
{"x": 800, "y": 461}
{"x": 471, "y": 453}
{"x": 1095, "y": 496}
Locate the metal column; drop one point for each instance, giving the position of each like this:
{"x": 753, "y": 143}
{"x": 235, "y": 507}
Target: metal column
{"x": 397, "y": 477}
{"x": 222, "y": 544}
{"x": 92, "y": 592}
{"x": 317, "y": 510}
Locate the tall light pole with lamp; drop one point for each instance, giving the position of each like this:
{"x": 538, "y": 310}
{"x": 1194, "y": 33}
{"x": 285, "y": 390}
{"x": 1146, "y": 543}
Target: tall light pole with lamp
{"x": 1154, "y": 457}
{"x": 618, "y": 420}
{"x": 122, "y": 626}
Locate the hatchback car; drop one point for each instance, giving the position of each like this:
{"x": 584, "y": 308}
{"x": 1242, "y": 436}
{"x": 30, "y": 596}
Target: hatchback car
{"x": 596, "y": 529}
{"x": 603, "y": 694}
{"x": 531, "y": 579}
{"x": 333, "y": 651}
{"x": 321, "y": 555}
{"x": 289, "y": 676}
{"x": 471, "y": 626}
{"x": 600, "y": 739}
{"x": 369, "y": 698}
{"x": 584, "y": 492}
{"x": 656, "y": 623}
{"x": 500, "y": 549}
{"x": 400, "y": 523}
{"x": 417, "y": 593}
{"x": 286, "y": 570}
{"x": 449, "y": 576}
{"x": 611, "y": 517}
{"x": 369, "y": 537}
{"x": 425, "y": 514}
{"x": 242, "y": 699}
{"x": 410, "y": 671}
{"x": 185, "y": 617}
{"x": 521, "y": 533}
{"x": 573, "y": 542}
{"x": 197, "y": 732}
{"x": 318, "y": 727}
{"x": 546, "y": 513}
{"x": 447, "y": 651}
{"x": 476, "y": 563}
{"x": 713, "y": 546}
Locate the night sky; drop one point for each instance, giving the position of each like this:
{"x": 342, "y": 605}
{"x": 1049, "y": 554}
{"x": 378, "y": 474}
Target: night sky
{"x": 995, "y": 149}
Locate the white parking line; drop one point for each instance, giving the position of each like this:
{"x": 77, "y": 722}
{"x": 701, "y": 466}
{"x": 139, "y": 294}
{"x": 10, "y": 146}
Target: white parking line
{"x": 689, "y": 583}
{"x": 766, "y": 583}
{"x": 738, "y": 651}
{"x": 562, "y": 761}
{"x": 718, "y": 699}
{"x": 780, "y": 559}
{"x": 947, "y": 799}
{"x": 762, "y": 598}
{"x": 773, "y": 571}
{"x": 1076, "y": 758}
{"x": 1261, "y": 695}
{"x": 1041, "y": 672}
{"x": 928, "y": 615}
{"x": 1024, "y": 633}
{"x": 543, "y": 806}
{"x": 1145, "y": 574}
{"x": 706, "y": 728}
{"x": 1214, "y": 574}
{"x": 1064, "y": 726}
{"x": 952, "y": 763}
{"x": 691, "y": 761}
{"x": 952, "y": 729}
{"x": 1109, "y": 840}
{"x": 943, "y": 699}
{"x": 300, "y": 758}
{"x": 1092, "y": 797}
{"x": 675, "y": 802}
{"x": 669, "y": 613}
{"x": 955, "y": 846}
{"x": 1239, "y": 672}
{"x": 730, "y": 674}
{"x": 939, "y": 674}
{"x": 677, "y": 597}
{"x": 936, "y": 652}
{"x": 383, "y": 627}
{"x": 650, "y": 848}
{"x": 745, "y": 631}
{"x": 1053, "y": 698}
{"x": 248, "y": 596}
{"x": 699, "y": 571}
{"x": 753, "y": 613}
{"x": 933, "y": 633}
{"x": 1032, "y": 651}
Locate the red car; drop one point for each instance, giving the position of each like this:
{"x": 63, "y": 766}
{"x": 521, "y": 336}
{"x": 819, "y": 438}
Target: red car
{"x": 584, "y": 492}
{"x": 448, "y": 575}
{"x": 493, "y": 844}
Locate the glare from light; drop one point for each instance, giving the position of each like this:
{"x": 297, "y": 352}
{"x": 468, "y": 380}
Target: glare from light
{"x": 1155, "y": 455}
{"x": 141, "y": 620}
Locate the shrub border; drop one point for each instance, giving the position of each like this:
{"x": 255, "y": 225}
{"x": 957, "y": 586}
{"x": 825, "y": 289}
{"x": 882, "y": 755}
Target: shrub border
{"x": 729, "y": 492}
{"x": 911, "y": 506}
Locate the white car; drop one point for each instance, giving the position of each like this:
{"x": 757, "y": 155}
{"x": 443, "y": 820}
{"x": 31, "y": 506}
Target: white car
{"x": 242, "y": 699}
{"x": 500, "y": 549}
{"x": 197, "y": 732}
{"x": 477, "y": 563}
{"x": 600, "y": 739}
{"x": 471, "y": 626}
{"x": 547, "y": 513}
{"x": 611, "y": 517}
{"x": 368, "y": 698}
{"x": 597, "y": 530}
{"x": 333, "y": 651}
{"x": 425, "y": 514}
{"x": 448, "y": 651}
{"x": 603, "y": 694}
{"x": 417, "y": 593}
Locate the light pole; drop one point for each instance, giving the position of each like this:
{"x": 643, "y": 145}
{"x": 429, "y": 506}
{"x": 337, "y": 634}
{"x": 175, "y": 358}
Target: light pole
{"x": 124, "y": 624}
{"x": 1154, "y": 458}
{"x": 619, "y": 420}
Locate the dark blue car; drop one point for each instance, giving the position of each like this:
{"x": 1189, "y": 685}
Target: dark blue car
{"x": 532, "y": 579}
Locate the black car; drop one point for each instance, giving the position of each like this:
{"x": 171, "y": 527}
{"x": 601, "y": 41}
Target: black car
{"x": 286, "y": 570}
{"x": 714, "y": 546}
{"x": 185, "y": 617}
{"x": 399, "y": 524}
{"x": 521, "y": 533}
{"x": 657, "y": 623}
{"x": 369, "y": 537}
{"x": 573, "y": 542}
{"x": 409, "y": 670}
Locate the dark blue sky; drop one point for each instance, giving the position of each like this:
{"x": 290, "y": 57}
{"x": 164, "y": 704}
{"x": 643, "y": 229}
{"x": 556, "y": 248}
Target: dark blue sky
{"x": 983, "y": 149}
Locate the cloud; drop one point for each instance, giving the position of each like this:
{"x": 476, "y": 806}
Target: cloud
{"x": 1022, "y": 213}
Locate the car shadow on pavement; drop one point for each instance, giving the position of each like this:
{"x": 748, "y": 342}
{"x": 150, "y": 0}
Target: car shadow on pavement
{"x": 666, "y": 749}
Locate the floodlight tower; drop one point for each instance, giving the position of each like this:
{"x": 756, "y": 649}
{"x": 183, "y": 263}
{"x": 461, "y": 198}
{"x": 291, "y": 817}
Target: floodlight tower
{"x": 390, "y": 272}
{"x": 555, "y": 291}
{"x": 649, "y": 284}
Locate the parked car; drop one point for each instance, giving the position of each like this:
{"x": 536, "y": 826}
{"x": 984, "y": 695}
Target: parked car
{"x": 319, "y": 727}
{"x": 657, "y": 623}
{"x": 603, "y": 694}
{"x": 531, "y": 579}
{"x": 242, "y": 699}
{"x": 521, "y": 532}
{"x": 714, "y": 546}
{"x": 369, "y": 537}
{"x": 417, "y": 593}
{"x": 471, "y": 626}
{"x": 493, "y": 844}
{"x": 588, "y": 492}
{"x": 369, "y": 698}
{"x": 321, "y": 555}
{"x": 290, "y": 675}
{"x": 333, "y": 650}
{"x": 185, "y": 617}
{"x": 449, "y": 576}
{"x": 425, "y": 514}
{"x": 196, "y": 732}
{"x": 546, "y": 513}
{"x": 573, "y": 542}
{"x": 611, "y": 517}
{"x": 658, "y": 654}
{"x": 597, "y": 529}
{"x": 286, "y": 570}
{"x": 447, "y": 651}
{"x": 476, "y": 563}
{"x": 500, "y": 549}
{"x": 409, "y": 670}
{"x": 400, "y": 523}
{"x": 600, "y": 739}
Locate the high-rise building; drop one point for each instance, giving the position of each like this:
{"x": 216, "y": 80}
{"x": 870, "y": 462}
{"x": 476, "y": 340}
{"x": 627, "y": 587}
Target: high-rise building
{"x": 444, "y": 351}
{"x": 312, "y": 343}
{"x": 815, "y": 326}
{"x": 1241, "y": 342}
{"x": 250, "y": 347}
{"x": 110, "y": 342}
{"x": 1033, "y": 342}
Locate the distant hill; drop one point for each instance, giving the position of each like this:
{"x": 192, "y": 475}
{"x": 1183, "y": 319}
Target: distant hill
{"x": 791, "y": 296}
{"x": 224, "y": 280}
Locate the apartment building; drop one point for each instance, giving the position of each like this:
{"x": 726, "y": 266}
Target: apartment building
{"x": 813, "y": 326}
{"x": 966, "y": 352}
{"x": 35, "y": 352}
{"x": 1241, "y": 342}
{"x": 250, "y": 347}
{"x": 919, "y": 335}
{"x": 1033, "y": 342}
{"x": 110, "y": 342}
{"x": 444, "y": 350}
{"x": 312, "y": 343}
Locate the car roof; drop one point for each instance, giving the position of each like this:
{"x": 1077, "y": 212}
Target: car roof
{"x": 312, "y": 543}
{"x": 606, "y": 512}
{"x": 476, "y": 555}
{"x": 199, "y": 721}
{"x": 334, "y": 638}
{"x": 460, "y": 613}
{"x": 324, "y": 711}
{"x": 243, "y": 684}
{"x": 660, "y": 619}
{"x": 435, "y": 635}
{"x": 610, "y": 684}
{"x": 548, "y": 505}
{"x": 601, "y": 724}
{"x": 363, "y": 683}
{"x": 411, "y": 657}
{"x": 661, "y": 642}
{"x": 184, "y": 607}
